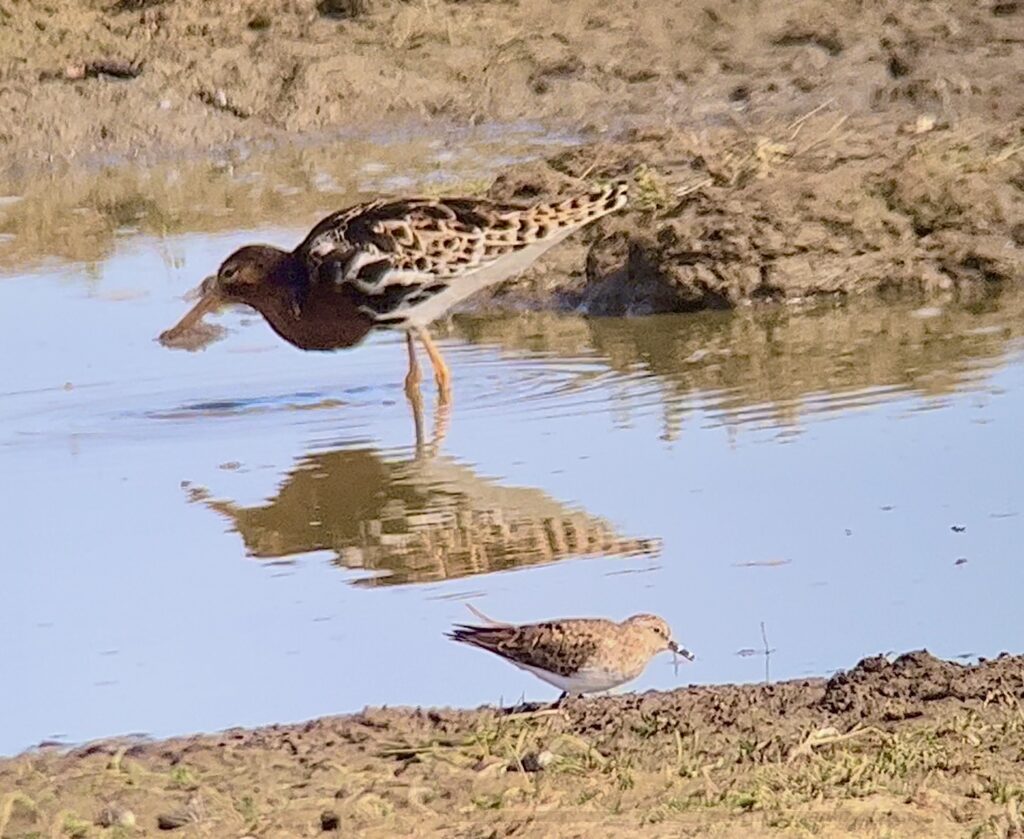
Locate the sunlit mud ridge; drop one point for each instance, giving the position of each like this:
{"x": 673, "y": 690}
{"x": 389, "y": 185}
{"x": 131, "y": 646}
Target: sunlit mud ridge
{"x": 828, "y": 206}
{"x": 910, "y": 747}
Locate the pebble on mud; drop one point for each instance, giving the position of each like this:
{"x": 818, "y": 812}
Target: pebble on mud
{"x": 114, "y": 816}
{"x": 172, "y": 821}
{"x": 532, "y": 762}
{"x": 343, "y": 9}
{"x": 329, "y": 820}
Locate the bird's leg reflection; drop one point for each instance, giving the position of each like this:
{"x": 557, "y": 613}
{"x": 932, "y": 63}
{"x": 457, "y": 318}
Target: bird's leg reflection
{"x": 441, "y": 374}
{"x": 412, "y": 390}
{"x": 442, "y": 418}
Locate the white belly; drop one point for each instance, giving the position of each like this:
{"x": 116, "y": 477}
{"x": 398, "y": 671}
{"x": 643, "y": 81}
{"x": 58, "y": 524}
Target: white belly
{"x": 587, "y": 680}
{"x": 469, "y": 284}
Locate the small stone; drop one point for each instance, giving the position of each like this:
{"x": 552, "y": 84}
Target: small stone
{"x": 172, "y": 821}
{"x": 329, "y": 820}
{"x": 532, "y": 762}
{"x": 342, "y": 9}
{"x": 114, "y": 816}
{"x": 925, "y": 123}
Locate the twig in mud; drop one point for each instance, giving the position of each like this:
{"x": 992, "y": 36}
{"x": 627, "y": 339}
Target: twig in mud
{"x": 827, "y": 737}
{"x": 593, "y": 165}
{"x": 219, "y": 100}
{"x": 110, "y": 67}
{"x": 682, "y": 192}
{"x": 540, "y": 712}
{"x": 1007, "y": 153}
{"x": 838, "y": 124}
{"x": 797, "y": 124}
{"x": 767, "y": 655}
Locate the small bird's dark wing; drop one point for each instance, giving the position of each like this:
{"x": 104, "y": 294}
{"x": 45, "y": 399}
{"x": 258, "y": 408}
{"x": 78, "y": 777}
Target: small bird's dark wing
{"x": 546, "y": 646}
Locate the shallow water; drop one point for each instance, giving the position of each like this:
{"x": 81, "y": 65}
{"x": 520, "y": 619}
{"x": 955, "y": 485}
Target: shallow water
{"x": 249, "y": 534}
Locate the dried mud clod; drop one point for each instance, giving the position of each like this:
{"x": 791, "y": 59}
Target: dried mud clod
{"x": 343, "y": 9}
{"x": 899, "y": 689}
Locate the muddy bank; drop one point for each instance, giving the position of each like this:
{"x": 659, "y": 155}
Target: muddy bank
{"x": 911, "y": 747}
{"x": 145, "y": 78}
{"x": 777, "y": 153}
{"x": 824, "y": 206}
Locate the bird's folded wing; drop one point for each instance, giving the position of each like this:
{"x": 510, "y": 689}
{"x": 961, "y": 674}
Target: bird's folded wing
{"x": 397, "y": 254}
{"x": 547, "y": 646}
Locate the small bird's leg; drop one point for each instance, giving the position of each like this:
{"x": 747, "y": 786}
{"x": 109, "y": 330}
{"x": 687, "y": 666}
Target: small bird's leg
{"x": 558, "y": 703}
{"x": 441, "y": 374}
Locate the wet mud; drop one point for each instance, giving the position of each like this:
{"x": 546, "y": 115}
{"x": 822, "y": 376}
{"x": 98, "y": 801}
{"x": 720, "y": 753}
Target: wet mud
{"x": 911, "y": 746}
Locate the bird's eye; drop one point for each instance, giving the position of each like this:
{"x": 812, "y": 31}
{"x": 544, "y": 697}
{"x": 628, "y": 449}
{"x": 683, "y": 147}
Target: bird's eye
{"x": 228, "y": 271}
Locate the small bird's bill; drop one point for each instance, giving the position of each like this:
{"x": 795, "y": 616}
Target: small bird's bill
{"x": 190, "y": 332}
{"x": 685, "y": 653}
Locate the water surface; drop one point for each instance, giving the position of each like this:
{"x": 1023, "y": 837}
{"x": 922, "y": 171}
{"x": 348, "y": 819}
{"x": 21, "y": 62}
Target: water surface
{"x": 249, "y": 534}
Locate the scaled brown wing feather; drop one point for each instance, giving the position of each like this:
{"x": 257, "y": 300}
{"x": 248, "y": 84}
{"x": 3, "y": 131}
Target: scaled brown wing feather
{"x": 422, "y": 236}
{"x": 444, "y": 238}
{"x": 546, "y": 646}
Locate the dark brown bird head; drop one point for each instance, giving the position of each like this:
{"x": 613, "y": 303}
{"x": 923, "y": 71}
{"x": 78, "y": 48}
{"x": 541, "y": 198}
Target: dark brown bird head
{"x": 244, "y": 272}
{"x": 241, "y": 278}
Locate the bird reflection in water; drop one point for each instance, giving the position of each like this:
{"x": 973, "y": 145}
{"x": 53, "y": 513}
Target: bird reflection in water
{"x": 424, "y": 518}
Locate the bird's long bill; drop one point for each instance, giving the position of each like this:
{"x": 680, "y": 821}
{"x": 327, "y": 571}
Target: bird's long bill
{"x": 685, "y": 653}
{"x": 185, "y": 331}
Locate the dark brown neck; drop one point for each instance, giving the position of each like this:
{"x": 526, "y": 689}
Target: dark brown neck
{"x": 307, "y": 314}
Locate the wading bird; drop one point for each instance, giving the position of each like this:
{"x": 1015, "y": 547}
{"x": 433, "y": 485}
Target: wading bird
{"x": 396, "y": 264}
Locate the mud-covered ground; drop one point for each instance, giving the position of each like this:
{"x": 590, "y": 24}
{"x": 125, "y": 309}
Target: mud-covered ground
{"x": 777, "y": 151}
{"x": 145, "y": 77}
{"x": 915, "y": 747}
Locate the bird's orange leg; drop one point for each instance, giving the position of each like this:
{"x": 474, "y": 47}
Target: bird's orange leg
{"x": 412, "y": 378}
{"x": 412, "y": 390}
{"x": 441, "y": 374}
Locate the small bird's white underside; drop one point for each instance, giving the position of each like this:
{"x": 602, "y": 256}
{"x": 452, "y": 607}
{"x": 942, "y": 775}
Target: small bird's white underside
{"x": 462, "y": 286}
{"x": 586, "y": 680}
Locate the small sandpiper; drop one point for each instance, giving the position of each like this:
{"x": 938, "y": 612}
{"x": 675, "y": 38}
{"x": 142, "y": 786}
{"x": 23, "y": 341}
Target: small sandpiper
{"x": 577, "y": 655}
